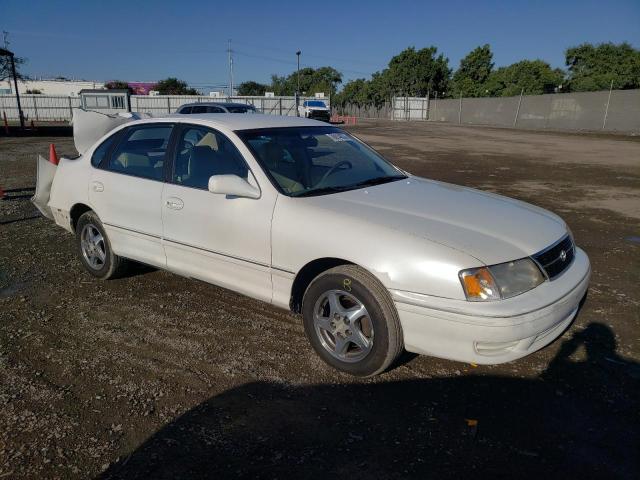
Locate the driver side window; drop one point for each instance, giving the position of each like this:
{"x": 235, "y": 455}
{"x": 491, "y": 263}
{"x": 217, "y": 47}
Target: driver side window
{"x": 202, "y": 153}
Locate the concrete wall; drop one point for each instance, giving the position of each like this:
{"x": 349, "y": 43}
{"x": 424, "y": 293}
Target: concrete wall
{"x": 615, "y": 111}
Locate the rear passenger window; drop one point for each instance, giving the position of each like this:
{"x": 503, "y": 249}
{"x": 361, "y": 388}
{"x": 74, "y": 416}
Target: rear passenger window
{"x": 185, "y": 110}
{"x": 142, "y": 152}
{"x": 199, "y": 109}
{"x": 100, "y": 152}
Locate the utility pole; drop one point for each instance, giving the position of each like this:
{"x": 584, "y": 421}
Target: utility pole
{"x": 5, "y": 39}
{"x": 4, "y": 52}
{"x": 230, "y": 71}
{"x": 298, "y": 89}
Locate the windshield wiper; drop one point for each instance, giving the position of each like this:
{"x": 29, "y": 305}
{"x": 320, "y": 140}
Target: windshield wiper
{"x": 377, "y": 181}
{"x": 365, "y": 183}
{"x": 320, "y": 191}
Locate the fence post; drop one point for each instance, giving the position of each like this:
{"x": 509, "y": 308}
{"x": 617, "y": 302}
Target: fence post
{"x": 515, "y": 120}
{"x": 35, "y": 107}
{"x": 168, "y": 104}
{"x": 280, "y": 105}
{"x": 428, "y": 106}
{"x": 435, "y": 106}
{"x": 460, "y": 111}
{"x": 606, "y": 110}
{"x": 70, "y": 109}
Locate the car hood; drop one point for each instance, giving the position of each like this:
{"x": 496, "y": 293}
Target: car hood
{"x": 324, "y": 109}
{"x": 489, "y": 227}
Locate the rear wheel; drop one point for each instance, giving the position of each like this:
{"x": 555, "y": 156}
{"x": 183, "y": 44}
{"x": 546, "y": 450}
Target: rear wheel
{"x": 351, "y": 321}
{"x": 95, "y": 250}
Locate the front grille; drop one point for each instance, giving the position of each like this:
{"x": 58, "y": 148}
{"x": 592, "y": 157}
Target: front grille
{"x": 318, "y": 114}
{"x": 556, "y": 259}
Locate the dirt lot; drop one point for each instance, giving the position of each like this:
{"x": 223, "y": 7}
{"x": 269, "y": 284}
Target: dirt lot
{"x": 156, "y": 376}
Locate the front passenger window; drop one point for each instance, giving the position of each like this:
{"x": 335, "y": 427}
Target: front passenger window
{"x": 202, "y": 153}
{"x": 142, "y": 152}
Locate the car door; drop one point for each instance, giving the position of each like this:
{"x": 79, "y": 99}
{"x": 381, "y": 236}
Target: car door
{"x": 125, "y": 191}
{"x": 216, "y": 238}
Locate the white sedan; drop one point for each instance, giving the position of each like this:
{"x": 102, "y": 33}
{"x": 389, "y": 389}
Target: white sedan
{"x": 306, "y": 217}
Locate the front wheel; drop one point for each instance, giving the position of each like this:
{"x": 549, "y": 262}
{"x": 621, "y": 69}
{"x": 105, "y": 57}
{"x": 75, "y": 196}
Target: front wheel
{"x": 94, "y": 248}
{"x": 351, "y": 321}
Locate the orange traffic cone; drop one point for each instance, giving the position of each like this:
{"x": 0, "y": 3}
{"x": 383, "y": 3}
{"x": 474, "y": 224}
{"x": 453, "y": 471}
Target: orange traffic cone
{"x": 53, "y": 156}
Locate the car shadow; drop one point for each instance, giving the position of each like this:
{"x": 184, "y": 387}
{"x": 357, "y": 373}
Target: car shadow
{"x": 578, "y": 419}
{"x": 15, "y": 220}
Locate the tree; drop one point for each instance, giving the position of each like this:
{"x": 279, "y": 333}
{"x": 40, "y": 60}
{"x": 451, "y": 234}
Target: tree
{"x": 34, "y": 91}
{"x": 414, "y": 73}
{"x": 5, "y": 68}
{"x": 252, "y": 88}
{"x": 354, "y": 92}
{"x": 173, "y": 86}
{"x": 118, "y": 85}
{"x": 473, "y": 72}
{"x": 594, "y": 67}
{"x": 533, "y": 76}
{"x": 312, "y": 80}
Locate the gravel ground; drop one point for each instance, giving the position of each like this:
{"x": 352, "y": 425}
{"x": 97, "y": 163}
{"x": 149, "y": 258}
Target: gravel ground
{"x": 156, "y": 376}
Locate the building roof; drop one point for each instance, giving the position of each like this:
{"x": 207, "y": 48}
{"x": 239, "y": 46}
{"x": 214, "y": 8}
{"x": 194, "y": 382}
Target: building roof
{"x": 103, "y": 90}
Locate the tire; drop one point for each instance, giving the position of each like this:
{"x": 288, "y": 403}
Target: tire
{"x": 94, "y": 249}
{"x": 356, "y": 341}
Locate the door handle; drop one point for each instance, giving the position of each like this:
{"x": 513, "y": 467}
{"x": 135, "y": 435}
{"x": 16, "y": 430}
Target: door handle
{"x": 174, "y": 203}
{"x": 97, "y": 186}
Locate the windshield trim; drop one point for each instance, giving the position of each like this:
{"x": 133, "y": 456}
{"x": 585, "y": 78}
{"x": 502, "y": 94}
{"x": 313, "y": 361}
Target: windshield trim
{"x": 241, "y": 134}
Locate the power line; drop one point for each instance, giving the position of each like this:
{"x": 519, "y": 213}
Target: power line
{"x": 287, "y": 62}
{"x": 333, "y": 58}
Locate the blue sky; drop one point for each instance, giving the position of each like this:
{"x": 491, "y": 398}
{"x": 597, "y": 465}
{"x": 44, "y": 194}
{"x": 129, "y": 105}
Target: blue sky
{"x": 143, "y": 40}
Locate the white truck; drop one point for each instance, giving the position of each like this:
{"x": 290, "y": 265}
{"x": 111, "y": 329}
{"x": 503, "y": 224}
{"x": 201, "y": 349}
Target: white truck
{"x": 315, "y": 109}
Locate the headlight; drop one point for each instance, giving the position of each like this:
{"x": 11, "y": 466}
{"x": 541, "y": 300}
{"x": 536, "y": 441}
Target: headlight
{"x": 504, "y": 280}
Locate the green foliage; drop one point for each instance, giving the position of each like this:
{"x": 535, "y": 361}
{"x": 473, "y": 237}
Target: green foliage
{"x": 312, "y": 80}
{"x": 252, "y": 88}
{"x": 173, "y": 86}
{"x": 118, "y": 85}
{"x": 412, "y": 72}
{"x": 5, "y": 68}
{"x": 355, "y": 92}
{"x": 34, "y": 91}
{"x": 593, "y": 67}
{"x": 415, "y": 73}
{"x": 533, "y": 76}
{"x": 473, "y": 72}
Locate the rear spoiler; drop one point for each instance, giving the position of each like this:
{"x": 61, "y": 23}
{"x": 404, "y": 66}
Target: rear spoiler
{"x": 89, "y": 126}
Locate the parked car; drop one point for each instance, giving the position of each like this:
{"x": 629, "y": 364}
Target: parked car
{"x": 307, "y": 217}
{"x": 315, "y": 109}
{"x": 216, "y": 107}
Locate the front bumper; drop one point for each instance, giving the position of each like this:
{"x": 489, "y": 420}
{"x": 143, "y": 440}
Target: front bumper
{"x": 496, "y": 333}
{"x": 319, "y": 115}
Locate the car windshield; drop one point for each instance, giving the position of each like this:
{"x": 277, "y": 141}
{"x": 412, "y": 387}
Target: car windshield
{"x": 307, "y": 161}
{"x": 241, "y": 109}
{"x": 315, "y": 103}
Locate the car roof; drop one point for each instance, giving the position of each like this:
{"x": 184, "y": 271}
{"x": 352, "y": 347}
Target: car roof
{"x": 217, "y": 104}
{"x": 233, "y": 121}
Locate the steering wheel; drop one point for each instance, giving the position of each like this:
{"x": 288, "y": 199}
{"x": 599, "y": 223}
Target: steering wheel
{"x": 333, "y": 169}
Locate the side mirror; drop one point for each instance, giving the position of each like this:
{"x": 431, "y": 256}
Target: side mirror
{"x": 233, "y": 185}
